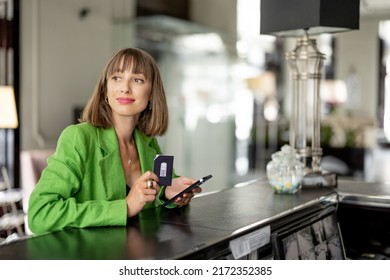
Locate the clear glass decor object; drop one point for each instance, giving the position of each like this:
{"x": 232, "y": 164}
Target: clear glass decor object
{"x": 285, "y": 171}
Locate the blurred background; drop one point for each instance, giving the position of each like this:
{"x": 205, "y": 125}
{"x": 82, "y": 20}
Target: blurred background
{"x": 227, "y": 85}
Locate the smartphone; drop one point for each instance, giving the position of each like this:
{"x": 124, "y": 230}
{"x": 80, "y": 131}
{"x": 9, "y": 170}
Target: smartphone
{"x": 190, "y": 188}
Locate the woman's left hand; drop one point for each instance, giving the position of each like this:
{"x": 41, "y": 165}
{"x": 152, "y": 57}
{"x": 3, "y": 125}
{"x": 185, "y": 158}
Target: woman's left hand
{"x": 179, "y": 184}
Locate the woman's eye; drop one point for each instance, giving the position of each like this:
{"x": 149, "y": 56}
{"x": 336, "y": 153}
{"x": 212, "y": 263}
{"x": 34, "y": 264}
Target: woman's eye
{"x": 139, "y": 81}
{"x": 115, "y": 78}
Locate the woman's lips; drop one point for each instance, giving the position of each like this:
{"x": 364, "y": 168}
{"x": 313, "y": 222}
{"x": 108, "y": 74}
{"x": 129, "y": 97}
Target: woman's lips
{"x": 125, "y": 100}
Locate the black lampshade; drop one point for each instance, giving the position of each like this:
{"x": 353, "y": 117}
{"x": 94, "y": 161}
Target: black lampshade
{"x": 292, "y": 17}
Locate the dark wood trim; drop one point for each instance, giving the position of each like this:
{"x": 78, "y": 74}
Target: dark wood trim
{"x": 173, "y": 8}
{"x": 16, "y": 69}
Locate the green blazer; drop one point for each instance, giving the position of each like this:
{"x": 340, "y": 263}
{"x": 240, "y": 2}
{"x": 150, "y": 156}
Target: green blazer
{"x": 84, "y": 183}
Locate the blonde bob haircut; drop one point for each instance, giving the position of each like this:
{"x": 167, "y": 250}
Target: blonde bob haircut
{"x": 153, "y": 121}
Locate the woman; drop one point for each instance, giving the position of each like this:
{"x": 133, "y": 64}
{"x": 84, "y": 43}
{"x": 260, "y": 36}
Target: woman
{"x": 101, "y": 172}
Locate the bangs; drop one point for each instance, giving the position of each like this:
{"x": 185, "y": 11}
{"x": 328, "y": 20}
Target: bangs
{"x": 131, "y": 60}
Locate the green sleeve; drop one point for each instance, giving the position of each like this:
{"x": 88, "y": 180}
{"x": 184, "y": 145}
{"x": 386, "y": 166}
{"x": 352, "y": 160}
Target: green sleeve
{"x": 69, "y": 192}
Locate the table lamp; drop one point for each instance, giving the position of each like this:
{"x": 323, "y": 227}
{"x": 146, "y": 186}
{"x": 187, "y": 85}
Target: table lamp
{"x": 303, "y": 18}
{"x": 8, "y": 115}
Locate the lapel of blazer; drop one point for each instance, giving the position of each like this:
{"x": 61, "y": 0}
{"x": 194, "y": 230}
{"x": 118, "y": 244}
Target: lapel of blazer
{"x": 110, "y": 164}
{"x": 146, "y": 152}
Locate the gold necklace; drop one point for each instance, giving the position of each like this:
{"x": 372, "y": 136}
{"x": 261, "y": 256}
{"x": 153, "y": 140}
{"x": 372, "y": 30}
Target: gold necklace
{"x": 130, "y": 161}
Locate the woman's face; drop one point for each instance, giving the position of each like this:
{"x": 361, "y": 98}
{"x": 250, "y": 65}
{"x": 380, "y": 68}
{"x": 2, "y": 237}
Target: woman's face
{"x": 128, "y": 93}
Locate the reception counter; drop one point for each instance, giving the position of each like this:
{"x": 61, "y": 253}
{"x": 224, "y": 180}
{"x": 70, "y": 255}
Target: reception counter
{"x": 246, "y": 222}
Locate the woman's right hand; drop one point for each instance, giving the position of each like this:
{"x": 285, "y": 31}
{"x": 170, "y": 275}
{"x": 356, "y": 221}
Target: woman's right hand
{"x": 140, "y": 193}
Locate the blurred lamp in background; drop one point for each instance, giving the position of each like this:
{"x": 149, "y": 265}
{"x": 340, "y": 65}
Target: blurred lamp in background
{"x": 8, "y": 117}
{"x": 302, "y": 18}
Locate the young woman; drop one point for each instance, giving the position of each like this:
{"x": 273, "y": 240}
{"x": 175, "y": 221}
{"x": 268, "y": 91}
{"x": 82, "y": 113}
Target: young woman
{"x": 101, "y": 172}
